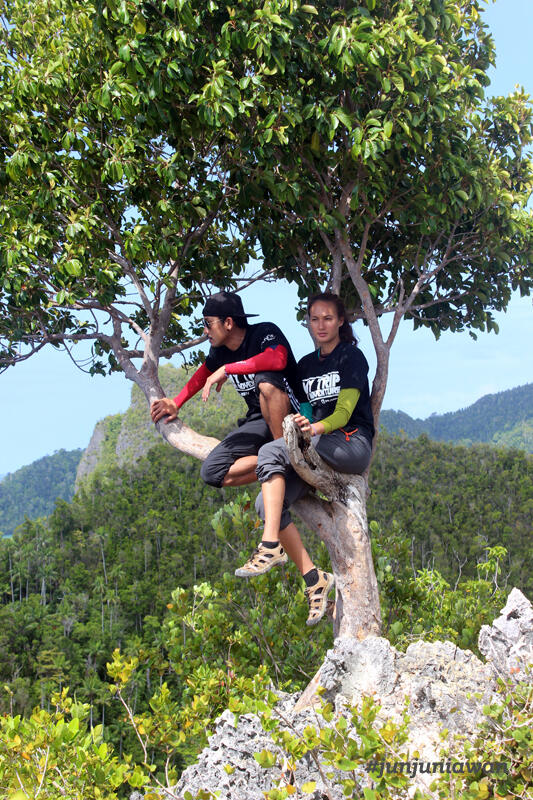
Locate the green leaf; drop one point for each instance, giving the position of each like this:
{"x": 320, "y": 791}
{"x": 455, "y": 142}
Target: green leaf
{"x": 309, "y": 9}
{"x": 73, "y": 267}
{"x": 139, "y": 23}
{"x": 347, "y": 764}
{"x": 265, "y": 759}
{"x": 270, "y": 119}
{"x": 398, "y": 82}
{"x": 344, "y": 118}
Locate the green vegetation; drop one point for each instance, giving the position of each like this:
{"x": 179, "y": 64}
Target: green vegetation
{"x": 102, "y": 570}
{"x": 505, "y": 419}
{"x": 452, "y": 501}
{"x": 33, "y": 490}
{"x": 127, "y": 595}
{"x": 147, "y": 152}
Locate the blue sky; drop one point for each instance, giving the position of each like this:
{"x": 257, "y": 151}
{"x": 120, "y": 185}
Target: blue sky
{"x": 47, "y": 404}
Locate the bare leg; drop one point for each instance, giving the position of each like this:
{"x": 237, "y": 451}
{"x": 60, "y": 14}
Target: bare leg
{"x": 273, "y": 495}
{"x": 292, "y": 544}
{"x": 241, "y": 472}
{"x": 275, "y": 406}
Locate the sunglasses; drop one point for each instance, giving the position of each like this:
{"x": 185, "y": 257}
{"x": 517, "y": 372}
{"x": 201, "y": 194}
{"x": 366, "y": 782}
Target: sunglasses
{"x": 209, "y": 323}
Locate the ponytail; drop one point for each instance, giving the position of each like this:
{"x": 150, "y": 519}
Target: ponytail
{"x": 346, "y": 333}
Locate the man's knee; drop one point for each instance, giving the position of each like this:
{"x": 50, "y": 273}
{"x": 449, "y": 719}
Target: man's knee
{"x": 268, "y": 391}
{"x": 213, "y": 471}
{"x": 272, "y": 459}
{"x": 270, "y": 384}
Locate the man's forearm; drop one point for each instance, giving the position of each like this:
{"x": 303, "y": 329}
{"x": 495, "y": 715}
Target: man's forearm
{"x": 196, "y": 382}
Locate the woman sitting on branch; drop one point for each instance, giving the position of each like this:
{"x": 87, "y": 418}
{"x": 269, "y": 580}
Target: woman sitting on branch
{"x": 338, "y": 416}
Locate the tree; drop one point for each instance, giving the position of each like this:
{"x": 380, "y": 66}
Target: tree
{"x": 146, "y": 148}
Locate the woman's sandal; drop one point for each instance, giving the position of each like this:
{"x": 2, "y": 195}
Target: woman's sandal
{"x": 317, "y": 597}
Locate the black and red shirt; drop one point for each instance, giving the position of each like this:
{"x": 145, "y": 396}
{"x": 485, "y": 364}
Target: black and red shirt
{"x": 258, "y": 339}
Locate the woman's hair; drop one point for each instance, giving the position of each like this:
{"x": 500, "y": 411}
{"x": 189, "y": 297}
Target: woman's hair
{"x": 345, "y": 331}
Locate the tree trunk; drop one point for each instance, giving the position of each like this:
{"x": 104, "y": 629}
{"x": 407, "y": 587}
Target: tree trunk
{"x": 342, "y": 525}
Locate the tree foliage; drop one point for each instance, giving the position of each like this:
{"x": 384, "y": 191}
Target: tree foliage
{"x": 112, "y": 180}
{"x": 147, "y": 147}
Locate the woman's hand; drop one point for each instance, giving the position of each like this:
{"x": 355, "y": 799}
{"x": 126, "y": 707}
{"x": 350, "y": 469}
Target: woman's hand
{"x": 313, "y": 429}
{"x": 302, "y": 422}
{"x": 219, "y": 378}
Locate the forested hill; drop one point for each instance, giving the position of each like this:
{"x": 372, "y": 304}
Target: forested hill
{"x": 101, "y": 571}
{"x": 33, "y": 490}
{"x": 121, "y": 439}
{"x": 504, "y": 419}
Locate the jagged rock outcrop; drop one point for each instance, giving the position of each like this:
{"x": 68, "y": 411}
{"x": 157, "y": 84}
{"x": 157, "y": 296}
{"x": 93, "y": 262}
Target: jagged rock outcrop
{"x": 445, "y": 687}
{"x": 507, "y": 644}
{"x": 92, "y": 453}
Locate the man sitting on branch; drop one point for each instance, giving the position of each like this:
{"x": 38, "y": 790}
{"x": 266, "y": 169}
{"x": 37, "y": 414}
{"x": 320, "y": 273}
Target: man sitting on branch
{"x": 260, "y": 362}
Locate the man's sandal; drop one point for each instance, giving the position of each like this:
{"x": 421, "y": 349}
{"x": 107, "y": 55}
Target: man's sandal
{"x": 262, "y": 559}
{"x": 317, "y": 597}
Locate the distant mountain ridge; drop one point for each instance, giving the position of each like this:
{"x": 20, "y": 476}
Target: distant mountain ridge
{"x": 504, "y": 419}
{"x": 32, "y": 490}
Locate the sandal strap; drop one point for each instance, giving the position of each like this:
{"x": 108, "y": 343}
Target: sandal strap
{"x": 261, "y": 556}
{"x": 317, "y": 596}
{"x": 314, "y": 596}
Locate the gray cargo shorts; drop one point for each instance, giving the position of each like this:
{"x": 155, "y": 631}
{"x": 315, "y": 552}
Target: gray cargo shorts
{"x": 345, "y": 454}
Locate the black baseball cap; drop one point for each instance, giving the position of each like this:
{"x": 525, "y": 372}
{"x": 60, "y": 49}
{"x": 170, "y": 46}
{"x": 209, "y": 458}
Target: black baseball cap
{"x": 225, "y": 304}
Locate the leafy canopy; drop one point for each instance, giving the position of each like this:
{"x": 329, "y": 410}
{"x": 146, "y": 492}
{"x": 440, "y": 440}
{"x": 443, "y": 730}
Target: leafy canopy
{"x": 146, "y": 148}
{"x": 115, "y": 201}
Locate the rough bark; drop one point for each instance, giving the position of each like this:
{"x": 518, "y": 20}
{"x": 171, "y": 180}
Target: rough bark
{"x": 342, "y": 525}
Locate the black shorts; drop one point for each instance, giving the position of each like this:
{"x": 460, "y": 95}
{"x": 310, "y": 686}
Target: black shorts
{"x": 252, "y": 433}
{"x": 246, "y": 440}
